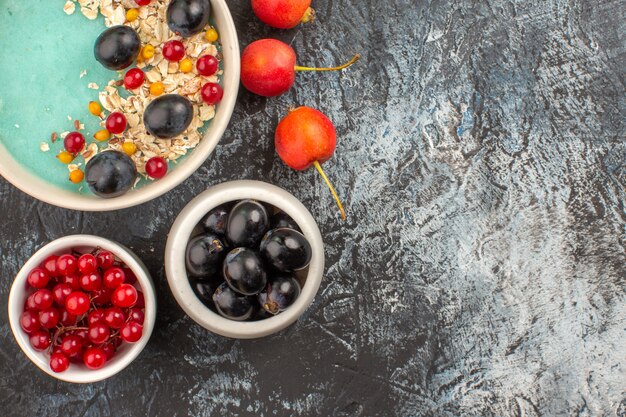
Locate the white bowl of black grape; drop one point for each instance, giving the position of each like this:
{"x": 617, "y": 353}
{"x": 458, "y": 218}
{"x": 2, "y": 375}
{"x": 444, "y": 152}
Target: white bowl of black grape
{"x": 82, "y": 308}
{"x": 244, "y": 259}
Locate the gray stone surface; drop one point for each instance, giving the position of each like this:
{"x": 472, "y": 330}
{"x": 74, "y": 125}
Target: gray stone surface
{"x": 481, "y": 271}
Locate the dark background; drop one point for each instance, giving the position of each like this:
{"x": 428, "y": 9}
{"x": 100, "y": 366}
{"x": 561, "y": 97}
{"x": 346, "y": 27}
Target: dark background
{"x": 481, "y": 270}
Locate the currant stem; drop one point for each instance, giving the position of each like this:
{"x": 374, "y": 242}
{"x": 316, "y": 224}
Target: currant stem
{"x": 354, "y": 59}
{"x": 332, "y": 189}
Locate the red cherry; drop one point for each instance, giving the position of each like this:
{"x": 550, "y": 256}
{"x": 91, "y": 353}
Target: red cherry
{"x": 41, "y": 299}
{"x": 40, "y": 340}
{"x": 114, "y": 317}
{"x": 91, "y": 282}
{"x": 207, "y": 65}
{"x": 71, "y": 345}
{"x": 99, "y": 333}
{"x": 137, "y": 315}
{"x": 73, "y": 281}
{"x": 95, "y": 316}
{"x": 38, "y": 278}
{"x": 60, "y": 293}
{"x": 131, "y": 332}
{"x": 268, "y": 67}
{"x": 102, "y": 296}
{"x": 305, "y": 138}
{"x": 116, "y": 123}
{"x": 94, "y": 358}
{"x": 50, "y": 265}
{"x": 74, "y": 142}
{"x": 49, "y": 318}
{"x": 142, "y": 2}
{"x": 156, "y": 167}
{"x": 105, "y": 259}
{"x": 173, "y": 51}
{"x": 212, "y": 93}
{"x": 87, "y": 263}
{"x": 134, "y": 78}
{"x": 283, "y": 14}
{"x": 77, "y": 303}
{"x": 124, "y": 296}
{"x": 82, "y": 336}
{"x": 59, "y": 362}
{"x": 114, "y": 277}
{"x": 65, "y": 318}
{"x": 109, "y": 350}
{"x": 29, "y": 321}
{"x": 67, "y": 264}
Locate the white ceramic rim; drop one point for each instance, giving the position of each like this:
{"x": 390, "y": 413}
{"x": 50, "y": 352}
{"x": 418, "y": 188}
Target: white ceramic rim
{"x": 76, "y": 373}
{"x": 38, "y": 188}
{"x": 187, "y": 221}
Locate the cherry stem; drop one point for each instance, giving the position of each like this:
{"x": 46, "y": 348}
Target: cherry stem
{"x": 354, "y": 59}
{"x": 332, "y": 189}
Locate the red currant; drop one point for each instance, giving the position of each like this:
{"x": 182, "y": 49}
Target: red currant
{"x": 114, "y": 277}
{"x": 142, "y": 2}
{"x": 207, "y": 65}
{"x": 60, "y": 293}
{"x": 116, "y": 123}
{"x": 29, "y": 321}
{"x": 40, "y": 340}
{"x": 42, "y": 299}
{"x": 137, "y": 315}
{"x": 95, "y": 316}
{"x": 38, "y": 278}
{"x": 74, "y": 142}
{"x": 94, "y": 358}
{"x": 102, "y": 296}
{"x": 109, "y": 350}
{"x": 71, "y": 345}
{"x": 87, "y": 263}
{"x": 173, "y": 51}
{"x": 99, "y": 333}
{"x": 73, "y": 281}
{"x": 50, "y": 265}
{"x": 67, "y": 264}
{"x": 131, "y": 332}
{"x": 105, "y": 259}
{"x": 77, "y": 303}
{"x": 49, "y": 318}
{"x": 124, "y": 296}
{"x": 59, "y": 362}
{"x": 114, "y": 317}
{"x": 141, "y": 301}
{"x": 129, "y": 276}
{"x": 134, "y": 78}
{"x": 212, "y": 93}
{"x": 66, "y": 318}
{"x": 91, "y": 282}
{"x": 156, "y": 167}
{"x": 83, "y": 336}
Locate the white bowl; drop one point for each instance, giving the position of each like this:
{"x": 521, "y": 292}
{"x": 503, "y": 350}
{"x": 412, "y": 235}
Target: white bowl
{"x": 127, "y": 352}
{"x": 39, "y": 188}
{"x": 181, "y": 232}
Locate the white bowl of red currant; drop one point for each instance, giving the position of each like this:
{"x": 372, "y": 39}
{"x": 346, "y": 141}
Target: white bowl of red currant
{"x": 82, "y": 308}
{"x": 244, "y": 259}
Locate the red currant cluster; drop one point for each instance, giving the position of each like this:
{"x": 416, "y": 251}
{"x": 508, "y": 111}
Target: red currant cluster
{"x": 82, "y": 308}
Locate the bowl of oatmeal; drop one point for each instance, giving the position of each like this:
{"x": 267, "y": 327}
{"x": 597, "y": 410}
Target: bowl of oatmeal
{"x": 52, "y": 80}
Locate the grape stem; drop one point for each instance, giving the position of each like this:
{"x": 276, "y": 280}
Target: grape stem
{"x": 318, "y": 166}
{"x": 354, "y": 59}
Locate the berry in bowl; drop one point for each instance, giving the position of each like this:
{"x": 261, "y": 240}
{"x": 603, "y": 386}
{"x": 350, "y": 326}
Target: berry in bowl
{"x": 244, "y": 259}
{"x": 153, "y": 86}
{"x": 82, "y": 308}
